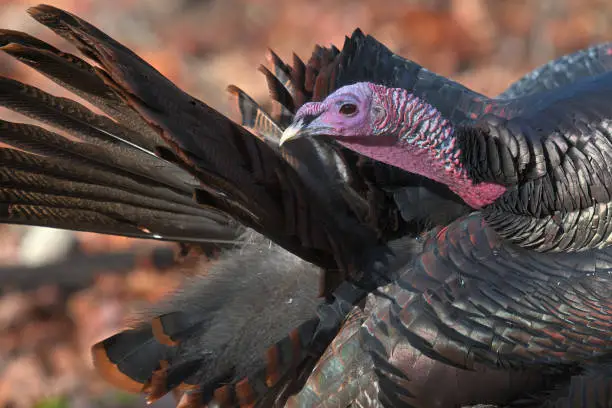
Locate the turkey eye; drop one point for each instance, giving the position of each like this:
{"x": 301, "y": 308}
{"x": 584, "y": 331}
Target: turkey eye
{"x": 348, "y": 109}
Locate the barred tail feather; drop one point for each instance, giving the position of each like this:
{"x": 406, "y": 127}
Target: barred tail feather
{"x": 114, "y": 183}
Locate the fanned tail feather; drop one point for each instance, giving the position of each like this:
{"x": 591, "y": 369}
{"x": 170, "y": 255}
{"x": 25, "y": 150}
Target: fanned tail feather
{"x": 98, "y": 174}
{"x": 39, "y": 189}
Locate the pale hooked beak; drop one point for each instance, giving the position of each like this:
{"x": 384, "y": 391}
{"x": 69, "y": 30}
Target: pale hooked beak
{"x": 308, "y": 125}
{"x": 294, "y": 131}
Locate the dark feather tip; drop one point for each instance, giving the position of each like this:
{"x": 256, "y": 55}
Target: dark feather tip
{"x": 111, "y": 372}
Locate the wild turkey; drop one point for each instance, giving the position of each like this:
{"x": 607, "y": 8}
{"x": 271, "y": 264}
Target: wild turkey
{"x": 331, "y": 208}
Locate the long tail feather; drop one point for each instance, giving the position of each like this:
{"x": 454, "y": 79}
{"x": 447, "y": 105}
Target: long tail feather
{"x": 92, "y": 129}
{"x": 20, "y": 186}
{"x": 90, "y": 172}
{"x": 42, "y": 190}
{"x": 65, "y": 114}
{"x": 77, "y": 76}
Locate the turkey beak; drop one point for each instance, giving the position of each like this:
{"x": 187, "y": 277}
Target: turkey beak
{"x": 294, "y": 131}
{"x": 308, "y": 125}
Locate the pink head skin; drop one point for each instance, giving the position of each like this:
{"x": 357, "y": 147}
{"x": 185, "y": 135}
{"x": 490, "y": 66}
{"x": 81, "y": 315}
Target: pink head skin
{"x": 393, "y": 126}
